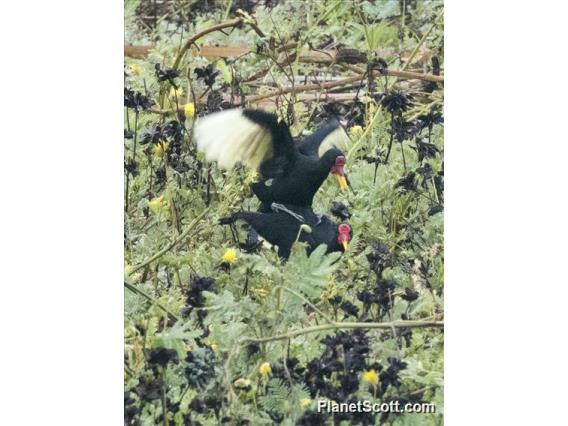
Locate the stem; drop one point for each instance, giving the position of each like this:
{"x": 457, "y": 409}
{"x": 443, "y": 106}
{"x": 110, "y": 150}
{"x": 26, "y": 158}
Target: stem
{"x": 142, "y": 293}
{"x": 229, "y": 4}
{"x": 182, "y": 236}
{"x": 435, "y": 189}
{"x": 365, "y": 133}
{"x": 391, "y": 139}
{"x": 164, "y": 405}
{"x": 421, "y": 42}
{"x": 346, "y": 325}
{"x": 135, "y": 135}
{"x": 403, "y": 21}
{"x": 126, "y": 192}
{"x": 306, "y": 301}
{"x": 376, "y": 169}
{"x": 127, "y": 195}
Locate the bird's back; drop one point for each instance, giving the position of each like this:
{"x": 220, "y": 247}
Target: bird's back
{"x": 298, "y": 186}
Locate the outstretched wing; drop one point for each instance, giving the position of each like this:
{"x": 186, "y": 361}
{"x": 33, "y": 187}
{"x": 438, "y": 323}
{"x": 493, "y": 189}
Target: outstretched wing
{"x": 330, "y": 135}
{"x": 250, "y": 137}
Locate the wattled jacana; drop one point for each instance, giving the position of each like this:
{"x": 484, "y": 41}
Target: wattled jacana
{"x": 260, "y": 140}
{"x": 283, "y": 227}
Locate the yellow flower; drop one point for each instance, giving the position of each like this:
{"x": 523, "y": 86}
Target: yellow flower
{"x": 135, "y": 69}
{"x": 156, "y": 204}
{"x": 160, "y": 149}
{"x": 189, "y": 110}
{"x": 176, "y": 92}
{"x": 265, "y": 369}
{"x": 305, "y": 402}
{"x": 230, "y": 256}
{"x": 371, "y": 377}
{"x": 211, "y": 343}
{"x": 356, "y": 130}
{"x": 372, "y": 108}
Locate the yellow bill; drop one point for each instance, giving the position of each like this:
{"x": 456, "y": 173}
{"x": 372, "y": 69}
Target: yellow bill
{"x": 345, "y": 245}
{"x": 342, "y": 182}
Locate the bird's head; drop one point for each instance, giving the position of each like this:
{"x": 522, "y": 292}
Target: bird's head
{"x": 335, "y": 159}
{"x": 344, "y": 233}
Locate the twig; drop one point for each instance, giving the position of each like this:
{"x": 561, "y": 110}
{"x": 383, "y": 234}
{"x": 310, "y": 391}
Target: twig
{"x": 346, "y": 325}
{"x": 421, "y": 42}
{"x": 184, "y": 234}
{"x": 306, "y": 301}
{"x": 305, "y": 88}
{"x": 164, "y": 404}
{"x": 142, "y": 293}
{"x": 361, "y": 139}
{"x": 232, "y": 23}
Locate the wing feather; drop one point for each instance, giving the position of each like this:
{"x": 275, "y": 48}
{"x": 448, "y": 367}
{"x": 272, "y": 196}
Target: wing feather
{"x": 330, "y": 135}
{"x": 336, "y": 139}
{"x": 228, "y": 138}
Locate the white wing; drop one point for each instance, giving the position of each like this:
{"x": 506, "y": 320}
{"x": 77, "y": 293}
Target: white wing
{"x": 228, "y": 138}
{"x": 336, "y": 139}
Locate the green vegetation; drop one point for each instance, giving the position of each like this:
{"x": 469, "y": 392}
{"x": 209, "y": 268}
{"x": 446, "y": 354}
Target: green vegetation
{"x": 203, "y": 314}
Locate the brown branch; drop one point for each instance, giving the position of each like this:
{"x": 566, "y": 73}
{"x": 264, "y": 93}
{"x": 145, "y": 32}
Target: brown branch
{"x": 232, "y": 23}
{"x": 317, "y": 86}
{"x": 408, "y": 75}
{"x": 304, "y": 88}
{"x": 314, "y": 57}
{"x": 302, "y": 97}
{"x": 137, "y": 51}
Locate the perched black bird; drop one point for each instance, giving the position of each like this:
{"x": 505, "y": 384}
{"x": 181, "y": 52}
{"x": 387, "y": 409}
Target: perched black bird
{"x": 286, "y": 225}
{"x": 290, "y": 173}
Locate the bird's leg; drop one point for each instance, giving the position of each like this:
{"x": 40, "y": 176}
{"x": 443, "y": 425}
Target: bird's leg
{"x": 245, "y": 289}
{"x": 306, "y": 228}
{"x": 376, "y": 169}
{"x": 208, "y": 186}
{"x": 234, "y": 233}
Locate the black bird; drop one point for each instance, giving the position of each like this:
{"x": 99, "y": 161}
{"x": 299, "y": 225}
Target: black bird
{"x": 290, "y": 173}
{"x": 286, "y": 225}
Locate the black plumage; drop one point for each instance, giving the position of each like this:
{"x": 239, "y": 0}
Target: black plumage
{"x": 290, "y": 173}
{"x": 283, "y": 227}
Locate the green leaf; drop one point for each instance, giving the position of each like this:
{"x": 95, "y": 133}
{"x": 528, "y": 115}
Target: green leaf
{"x": 177, "y": 336}
{"x": 225, "y": 71}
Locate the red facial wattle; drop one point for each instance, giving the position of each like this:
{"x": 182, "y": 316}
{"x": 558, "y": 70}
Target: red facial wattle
{"x": 338, "y": 169}
{"x": 344, "y": 235}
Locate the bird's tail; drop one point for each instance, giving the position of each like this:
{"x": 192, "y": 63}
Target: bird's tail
{"x": 227, "y": 220}
{"x": 234, "y": 217}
